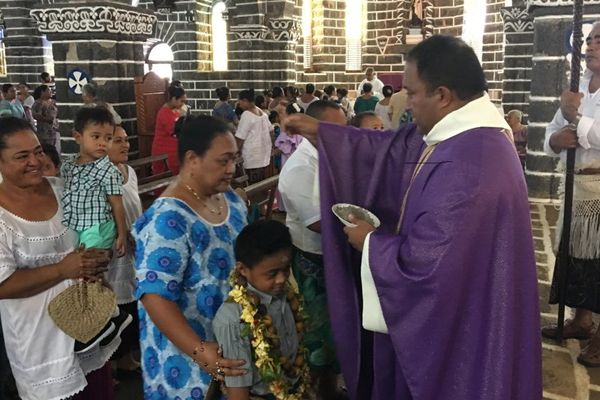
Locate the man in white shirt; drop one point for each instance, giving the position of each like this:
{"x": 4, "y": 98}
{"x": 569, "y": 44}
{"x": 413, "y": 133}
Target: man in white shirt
{"x": 374, "y": 81}
{"x": 308, "y": 97}
{"x": 299, "y": 188}
{"x": 577, "y": 125}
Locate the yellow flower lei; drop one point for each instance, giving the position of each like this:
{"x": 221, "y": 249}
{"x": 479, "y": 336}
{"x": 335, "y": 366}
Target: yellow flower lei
{"x": 272, "y": 366}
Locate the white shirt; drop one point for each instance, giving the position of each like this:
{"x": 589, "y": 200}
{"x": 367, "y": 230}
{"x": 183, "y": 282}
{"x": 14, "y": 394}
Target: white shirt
{"x": 588, "y": 130}
{"x": 305, "y": 105}
{"x": 384, "y": 113}
{"x": 300, "y": 195}
{"x": 255, "y": 131}
{"x": 121, "y": 270}
{"x": 41, "y": 356}
{"x": 377, "y": 87}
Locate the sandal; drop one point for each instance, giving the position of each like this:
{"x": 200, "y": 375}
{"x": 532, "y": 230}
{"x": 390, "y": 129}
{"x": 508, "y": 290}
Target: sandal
{"x": 590, "y": 355}
{"x": 570, "y": 331}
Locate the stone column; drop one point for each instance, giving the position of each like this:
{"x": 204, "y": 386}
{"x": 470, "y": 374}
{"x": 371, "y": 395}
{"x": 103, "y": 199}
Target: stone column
{"x": 104, "y": 41}
{"x": 25, "y": 53}
{"x": 552, "y": 25}
{"x": 518, "y": 30}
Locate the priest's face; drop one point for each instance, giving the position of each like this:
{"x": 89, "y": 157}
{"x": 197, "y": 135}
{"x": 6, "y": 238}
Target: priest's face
{"x": 592, "y": 53}
{"x": 423, "y": 104}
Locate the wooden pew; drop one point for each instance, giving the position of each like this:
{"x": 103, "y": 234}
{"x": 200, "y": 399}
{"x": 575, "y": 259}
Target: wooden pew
{"x": 148, "y": 182}
{"x": 262, "y": 194}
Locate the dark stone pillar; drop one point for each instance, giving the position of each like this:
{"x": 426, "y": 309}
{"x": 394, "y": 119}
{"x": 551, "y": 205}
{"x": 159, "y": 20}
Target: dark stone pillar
{"x": 105, "y": 41}
{"x": 25, "y": 53}
{"x": 549, "y": 77}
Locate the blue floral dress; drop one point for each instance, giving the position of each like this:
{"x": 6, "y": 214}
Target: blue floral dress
{"x": 187, "y": 260}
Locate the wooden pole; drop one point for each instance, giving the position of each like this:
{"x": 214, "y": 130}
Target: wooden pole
{"x": 564, "y": 251}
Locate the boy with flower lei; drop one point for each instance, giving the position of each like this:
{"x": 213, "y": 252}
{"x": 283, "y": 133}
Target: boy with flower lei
{"x": 262, "y": 321}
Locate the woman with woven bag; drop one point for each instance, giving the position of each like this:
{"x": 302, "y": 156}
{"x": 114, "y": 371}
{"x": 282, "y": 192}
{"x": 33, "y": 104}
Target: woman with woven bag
{"x": 184, "y": 254}
{"x": 38, "y": 260}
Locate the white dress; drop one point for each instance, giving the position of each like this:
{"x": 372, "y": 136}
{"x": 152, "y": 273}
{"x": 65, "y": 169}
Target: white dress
{"x": 255, "y": 131}
{"x": 121, "y": 270}
{"x": 41, "y": 356}
{"x": 384, "y": 113}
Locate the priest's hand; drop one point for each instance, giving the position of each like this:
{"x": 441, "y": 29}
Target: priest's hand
{"x": 564, "y": 139}
{"x": 569, "y": 104}
{"x": 300, "y": 124}
{"x": 358, "y": 234}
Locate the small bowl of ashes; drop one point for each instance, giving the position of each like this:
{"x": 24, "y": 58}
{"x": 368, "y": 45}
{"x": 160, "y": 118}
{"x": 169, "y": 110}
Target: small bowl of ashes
{"x": 342, "y": 210}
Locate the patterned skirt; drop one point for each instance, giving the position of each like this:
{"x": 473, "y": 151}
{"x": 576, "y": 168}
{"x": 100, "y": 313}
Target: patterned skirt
{"x": 318, "y": 339}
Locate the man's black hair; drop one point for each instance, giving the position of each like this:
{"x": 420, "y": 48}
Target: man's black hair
{"x": 317, "y": 108}
{"x": 261, "y": 239}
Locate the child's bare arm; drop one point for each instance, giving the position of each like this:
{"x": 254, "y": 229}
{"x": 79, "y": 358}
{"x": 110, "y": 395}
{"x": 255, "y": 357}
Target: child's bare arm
{"x": 242, "y": 393}
{"x": 118, "y": 212}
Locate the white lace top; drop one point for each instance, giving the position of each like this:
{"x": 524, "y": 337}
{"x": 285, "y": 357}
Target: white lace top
{"x": 41, "y": 355}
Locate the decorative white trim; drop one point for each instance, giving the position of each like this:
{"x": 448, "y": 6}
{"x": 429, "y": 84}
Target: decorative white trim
{"x": 84, "y": 19}
{"x": 279, "y": 29}
{"x": 516, "y": 19}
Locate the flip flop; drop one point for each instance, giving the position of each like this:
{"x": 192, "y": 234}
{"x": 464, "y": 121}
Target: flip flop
{"x": 590, "y": 355}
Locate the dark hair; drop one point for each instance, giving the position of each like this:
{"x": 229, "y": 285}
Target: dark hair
{"x": 44, "y": 76}
{"x": 196, "y": 133}
{"x": 329, "y": 89}
{"x": 6, "y": 87}
{"x": 260, "y": 100}
{"x": 261, "y": 239}
{"x": 175, "y": 91}
{"x": 89, "y": 89}
{"x": 268, "y": 93}
{"x": 309, "y": 88}
{"x": 278, "y": 91}
{"x": 92, "y": 115}
{"x": 176, "y": 83}
{"x": 222, "y": 93}
{"x": 358, "y": 118}
{"x": 342, "y": 92}
{"x": 291, "y": 109}
{"x": 367, "y": 87}
{"x": 51, "y": 153}
{"x": 273, "y": 115}
{"x": 318, "y": 93}
{"x": 316, "y": 108}
{"x": 24, "y": 84}
{"x": 37, "y": 93}
{"x": 247, "y": 94}
{"x": 291, "y": 91}
{"x": 450, "y": 62}
{"x": 11, "y": 125}
{"x": 387, "y": 91}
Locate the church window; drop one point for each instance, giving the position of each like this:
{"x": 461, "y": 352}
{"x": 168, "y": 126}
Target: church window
{"x": 3, "y": 70}
{"x": 354, "y": 34}
{"x": 160, "y": 59}
{"x": 219, "y": 37}
{"x": 307, "y": 33}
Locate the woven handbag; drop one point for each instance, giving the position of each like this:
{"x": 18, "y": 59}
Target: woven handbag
{"x": 82, "y": 310}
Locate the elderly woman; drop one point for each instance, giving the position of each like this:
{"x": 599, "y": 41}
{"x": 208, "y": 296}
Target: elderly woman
{"x": 184, "y": 254}
{"x": 121, "y": 270}
{"x": 38, "y": 260}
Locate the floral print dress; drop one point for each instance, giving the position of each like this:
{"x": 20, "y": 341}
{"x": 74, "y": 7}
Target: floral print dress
{"x": 186, "y": 260}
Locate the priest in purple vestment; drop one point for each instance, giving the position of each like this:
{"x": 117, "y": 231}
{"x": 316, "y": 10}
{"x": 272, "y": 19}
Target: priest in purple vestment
{"x": 442, "y": 303}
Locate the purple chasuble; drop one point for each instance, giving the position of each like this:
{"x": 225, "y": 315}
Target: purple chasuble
{"x": 457, "y": 286}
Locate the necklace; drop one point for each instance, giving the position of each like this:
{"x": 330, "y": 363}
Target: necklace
{"x": 275, "y": 369}
{"x": 217, "y": 211}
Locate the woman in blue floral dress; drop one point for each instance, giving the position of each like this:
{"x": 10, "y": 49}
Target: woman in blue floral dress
{"x": 184, "y": 253}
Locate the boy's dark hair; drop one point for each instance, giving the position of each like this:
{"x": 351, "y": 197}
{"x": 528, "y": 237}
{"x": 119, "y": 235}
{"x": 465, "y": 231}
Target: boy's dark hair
{"x": 329, "y": 90}
{"x": 341, "y": 92}
{"x": 92, "y": 115}
{"x": 358, "y": 118}
{"x": 317, "y": 108}
{"x": 44, "y": 76}
{"x": 222, "y": 93}
{"x": 309, "y": 88}
{"x": 196, "y": 133}
{"x": 51, "y": 153}
{"x": 367, "y": 87}
{"x": 261, "y": 239}
{"x": 247, "y": 94}
{"x": 260, "y": 100}
{"x": 11, "y": 125}
{"x": 450, "y": 62}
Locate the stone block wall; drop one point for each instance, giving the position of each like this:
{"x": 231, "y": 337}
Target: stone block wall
{"x": 493, "y": 49}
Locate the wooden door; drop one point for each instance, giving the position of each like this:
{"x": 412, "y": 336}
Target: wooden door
{"x": 150, "y": 96}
